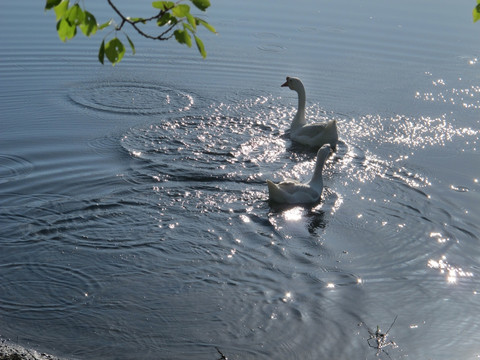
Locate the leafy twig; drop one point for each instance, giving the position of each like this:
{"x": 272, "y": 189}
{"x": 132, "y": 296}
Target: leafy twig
{"x": 143, "y": 20}
{"x": 173, "y": 19}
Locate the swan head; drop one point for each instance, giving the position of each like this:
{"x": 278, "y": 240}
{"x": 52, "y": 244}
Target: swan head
{"x": 323, "y": 152}
{"x": 293, "y": 83}
{"x": 322, "y": 156}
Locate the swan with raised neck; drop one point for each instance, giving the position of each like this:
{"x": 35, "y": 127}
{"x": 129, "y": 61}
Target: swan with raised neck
{"x": 295, "y": 192}
{"x": 315, "y": 134}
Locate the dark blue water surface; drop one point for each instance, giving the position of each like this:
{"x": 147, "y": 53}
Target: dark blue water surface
{"x": 134, "y": 220}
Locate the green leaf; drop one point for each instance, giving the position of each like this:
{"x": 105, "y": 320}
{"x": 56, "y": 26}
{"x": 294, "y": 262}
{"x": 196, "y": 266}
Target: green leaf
{"x": 61, "y": 9}
{"x": 181, "y": 10}
{"x": 188, "y": 27}
{"x": 201, "y": 4}
{"x": 200, "y": 47}
{"x": 163, "y": 5}
{"x": 167, "y": 18}
{"x": 75, "y": 15}
{"x": 104, "y": 25}
{"x": 89, "y": 25}
{"x": 192, "y": 21}
{"x": 51, "y": 3}
{"x": 65, "y": 30}
{"x": 476, "y": 13}
{"x": 137, "y": 20}
{"x": 183, "y": 37}
{"x": 101, "y": 52}
{"x": 207, "y": 25}
{"x": 114, "y": 50}
{"x": 131, "y": 44}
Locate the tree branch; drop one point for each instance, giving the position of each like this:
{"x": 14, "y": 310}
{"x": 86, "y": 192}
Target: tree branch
{"x": 162, "y": 36}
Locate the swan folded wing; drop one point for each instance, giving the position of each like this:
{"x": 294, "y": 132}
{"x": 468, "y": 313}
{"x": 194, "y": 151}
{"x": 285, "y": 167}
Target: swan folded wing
{"x": 305, "y": 196}
{"x": 291, "y": 186}
{"x": 292, "y": 192}
{"x": 310, "y": 129}
{"x": 316, "y": 134}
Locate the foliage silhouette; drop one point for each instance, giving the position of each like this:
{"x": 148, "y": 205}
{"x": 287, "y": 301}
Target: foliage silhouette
{"x": 173, "y": 20}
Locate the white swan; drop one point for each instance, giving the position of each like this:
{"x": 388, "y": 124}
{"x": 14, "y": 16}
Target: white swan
{"x": 315, "y": 134}
{"x": 294, "y": 192}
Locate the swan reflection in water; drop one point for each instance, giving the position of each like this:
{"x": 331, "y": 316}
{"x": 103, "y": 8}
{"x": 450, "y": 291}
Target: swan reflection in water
{"x": 310, "y": 218}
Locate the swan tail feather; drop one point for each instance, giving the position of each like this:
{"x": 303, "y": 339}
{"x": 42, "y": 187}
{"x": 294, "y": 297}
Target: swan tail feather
{"x": 274, "y": 192}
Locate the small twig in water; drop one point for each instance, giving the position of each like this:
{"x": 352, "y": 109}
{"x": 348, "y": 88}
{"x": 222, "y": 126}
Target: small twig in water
{"x": 381, "y": 339}
{"x": 222, "y": 356}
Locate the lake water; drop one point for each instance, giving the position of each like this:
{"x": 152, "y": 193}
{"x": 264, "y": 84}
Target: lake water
{"x": 133, "y": 203}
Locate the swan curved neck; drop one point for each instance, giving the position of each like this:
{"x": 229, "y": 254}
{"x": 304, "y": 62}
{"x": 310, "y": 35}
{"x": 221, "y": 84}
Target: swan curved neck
{"x": 317, "y": 180}
{"x": 299, "y": 119}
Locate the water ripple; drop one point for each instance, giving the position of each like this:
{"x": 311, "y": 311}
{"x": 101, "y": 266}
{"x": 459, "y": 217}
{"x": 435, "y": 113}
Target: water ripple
{"x": 103, "y": 224}
{"x": 12, "y": 167}
{"x": 128, "y": 97}
{"x": 59, "y": 290}
{"x": 202, "y": 148}
{"x": 276, "y": 48}
{"x": 104, "y": 144}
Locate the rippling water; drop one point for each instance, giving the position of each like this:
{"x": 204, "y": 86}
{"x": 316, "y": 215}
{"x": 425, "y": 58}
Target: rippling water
{"x": 133, "y": 204}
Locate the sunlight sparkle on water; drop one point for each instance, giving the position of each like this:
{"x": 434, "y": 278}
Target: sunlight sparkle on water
{"x": 294, "y": 214}
{"x": 338, "y": 204}
{"x": 287, "y": 296}
{"x": 451, "y": 272}
{"x": 465, "y": 97}
{"x": 413, "y": 131}
{"x": 439, "y": 237}
{"x": 261, "y": 150}
{"x": 245, "y": 218}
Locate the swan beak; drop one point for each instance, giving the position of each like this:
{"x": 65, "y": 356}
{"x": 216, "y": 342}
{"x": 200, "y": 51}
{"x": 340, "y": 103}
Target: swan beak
{"x": 284, "y": 84}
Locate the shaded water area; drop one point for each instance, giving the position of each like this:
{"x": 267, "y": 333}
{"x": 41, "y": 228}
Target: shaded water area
{"x": 134, "y": 220}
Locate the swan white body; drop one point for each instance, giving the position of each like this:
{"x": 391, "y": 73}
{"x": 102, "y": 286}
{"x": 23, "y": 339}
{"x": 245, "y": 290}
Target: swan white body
{"x": 295, "y": 192}
{"x": 316, "y": 134}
